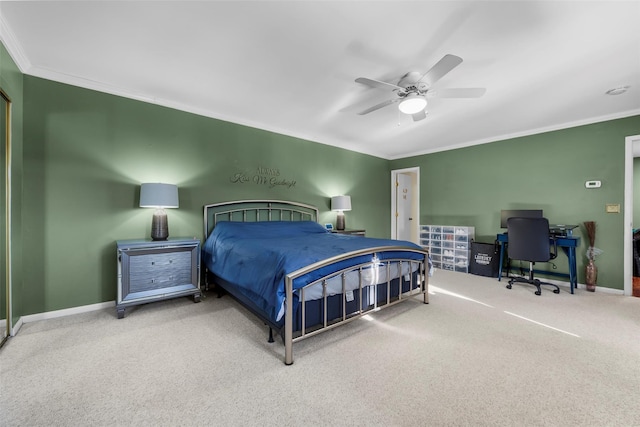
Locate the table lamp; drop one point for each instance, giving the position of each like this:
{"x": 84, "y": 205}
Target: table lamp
{"x": 159, "y": 196}
{"x": 340, "y": 204}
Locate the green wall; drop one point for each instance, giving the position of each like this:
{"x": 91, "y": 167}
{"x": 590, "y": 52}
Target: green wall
{"x": 86, "y": 154}
{"x": 79, "y": 158}
{"x": 11, "y": 82}
{"x": 469, "y": 186}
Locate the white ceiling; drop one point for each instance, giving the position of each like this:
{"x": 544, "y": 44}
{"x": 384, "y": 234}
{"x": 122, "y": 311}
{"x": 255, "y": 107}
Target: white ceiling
{"x": 290, "y": 66}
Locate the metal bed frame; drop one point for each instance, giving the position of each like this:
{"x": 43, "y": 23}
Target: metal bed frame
{"x": 278, "y": 210}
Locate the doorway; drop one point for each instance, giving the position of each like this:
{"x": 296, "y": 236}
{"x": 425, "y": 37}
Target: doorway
{"x": 632, "y": 149}
{"x": 405, "y": 204}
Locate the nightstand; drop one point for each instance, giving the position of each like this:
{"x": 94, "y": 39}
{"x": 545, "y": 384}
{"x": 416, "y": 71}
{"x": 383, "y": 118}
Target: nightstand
{"x": 352, "y": 232}
{"x": 151, "y": 271}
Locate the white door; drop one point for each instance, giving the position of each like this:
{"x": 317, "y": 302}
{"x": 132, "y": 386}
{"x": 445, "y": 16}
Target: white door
{"x": 405, "y": 204}
{"x": 404, "y": 210}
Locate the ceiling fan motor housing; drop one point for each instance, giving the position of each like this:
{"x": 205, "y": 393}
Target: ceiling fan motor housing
{"x": 411, "y": 84}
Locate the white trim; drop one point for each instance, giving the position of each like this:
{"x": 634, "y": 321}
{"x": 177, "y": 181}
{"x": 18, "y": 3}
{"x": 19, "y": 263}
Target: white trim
{"x": 81, "y": 82}
{"x": 126, "y": 93}
{"x": 627, "y": 253}
{"x": 15, "y": 328}
{"x": 8, "y": 213}
{"x": 568, "y": 125}
{"x": 66, "y": 312}
{"x": 600, "y": 289}
{"x": 10, "y": 42}
{"x": 16, "y": 52}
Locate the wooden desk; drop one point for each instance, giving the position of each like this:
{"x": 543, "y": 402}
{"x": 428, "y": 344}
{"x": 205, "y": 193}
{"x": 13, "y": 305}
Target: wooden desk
{"x": 568, "y": 244}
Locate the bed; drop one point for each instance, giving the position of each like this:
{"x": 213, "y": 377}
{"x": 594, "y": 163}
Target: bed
{"x": 300, "y": 278}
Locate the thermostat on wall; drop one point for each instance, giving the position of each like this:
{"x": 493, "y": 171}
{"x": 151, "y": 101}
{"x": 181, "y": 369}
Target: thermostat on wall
{"x": 593, "y": 184}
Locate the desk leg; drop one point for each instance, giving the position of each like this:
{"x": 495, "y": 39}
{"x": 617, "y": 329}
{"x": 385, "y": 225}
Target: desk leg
{"x": 501, "y": 261}
{"x": 573, "y": 269}
{"x": 570, "y": 252}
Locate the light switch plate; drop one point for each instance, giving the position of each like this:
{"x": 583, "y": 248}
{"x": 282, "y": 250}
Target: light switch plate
{"x": 593, "y": 184}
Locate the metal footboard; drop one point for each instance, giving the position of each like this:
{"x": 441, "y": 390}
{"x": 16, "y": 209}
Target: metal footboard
{"x": 418, "y": 284}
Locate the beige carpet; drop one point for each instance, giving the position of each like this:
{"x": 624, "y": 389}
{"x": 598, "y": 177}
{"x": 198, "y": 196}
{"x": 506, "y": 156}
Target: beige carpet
{"x": 477, "y": 355}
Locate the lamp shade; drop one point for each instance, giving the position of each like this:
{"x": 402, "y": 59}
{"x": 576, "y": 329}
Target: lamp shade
{"x": 412, "y": 104}
{"x": 341, "y": 203}
{"x": 156, "y": 195}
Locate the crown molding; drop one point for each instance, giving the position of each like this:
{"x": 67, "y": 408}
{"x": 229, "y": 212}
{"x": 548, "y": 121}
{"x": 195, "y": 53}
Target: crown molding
{"x": 535, "y": 131}
{"x": 14, "y": 48}
{"x": 10, "y": 42}
{"x": 81, "y": 82}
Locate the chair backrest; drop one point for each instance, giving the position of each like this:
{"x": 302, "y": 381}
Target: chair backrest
{"x": 529, "y": 239}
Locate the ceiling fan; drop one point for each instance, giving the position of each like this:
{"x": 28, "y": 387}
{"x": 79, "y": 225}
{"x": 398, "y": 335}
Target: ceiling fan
{"x": 413, "y": 89}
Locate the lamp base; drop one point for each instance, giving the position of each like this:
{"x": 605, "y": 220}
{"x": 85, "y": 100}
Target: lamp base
{"x": 340, "y": 222}
{"x": 159, "y": 225}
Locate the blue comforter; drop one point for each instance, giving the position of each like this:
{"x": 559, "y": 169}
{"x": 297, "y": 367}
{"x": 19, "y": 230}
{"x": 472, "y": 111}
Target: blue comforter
{"x": 256, "y": 257}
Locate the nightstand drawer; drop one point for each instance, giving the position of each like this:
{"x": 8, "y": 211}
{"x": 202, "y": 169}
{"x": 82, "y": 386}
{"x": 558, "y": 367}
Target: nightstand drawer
{"x": 159, "y": 270}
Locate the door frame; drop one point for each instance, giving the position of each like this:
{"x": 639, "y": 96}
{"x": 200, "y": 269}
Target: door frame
{"x": 415, "y": 194}
{"x": 631, "y": 146}
{"x": 6, "y": 142}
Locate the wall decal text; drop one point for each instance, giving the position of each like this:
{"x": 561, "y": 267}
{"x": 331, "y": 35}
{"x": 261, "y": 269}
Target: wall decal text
{"x": 269, "y": 177}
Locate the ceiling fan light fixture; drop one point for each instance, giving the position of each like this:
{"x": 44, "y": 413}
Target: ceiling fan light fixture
{"x": 412, "y": 104}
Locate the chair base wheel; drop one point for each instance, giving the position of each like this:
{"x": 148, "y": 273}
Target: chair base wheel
{"x": 538, "y": 293}
{"x": 509, "y": 286}
{"x": 556, "y": 291}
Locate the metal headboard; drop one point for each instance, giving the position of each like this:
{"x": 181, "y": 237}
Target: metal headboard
{"x": 257, "y": 210}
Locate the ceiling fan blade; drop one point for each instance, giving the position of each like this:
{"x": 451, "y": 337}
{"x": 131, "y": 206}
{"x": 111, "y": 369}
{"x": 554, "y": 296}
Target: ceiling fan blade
{"x": 377, "y": 83}
{"x": 446, "y": 64}
{"x": 467, "y": 92}
{"x": 419, "y": 115}
{"x": 378, "y": 106}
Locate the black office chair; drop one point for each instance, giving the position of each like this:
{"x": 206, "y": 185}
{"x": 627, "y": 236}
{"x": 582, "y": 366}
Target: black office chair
{"x": 529, "y": 240}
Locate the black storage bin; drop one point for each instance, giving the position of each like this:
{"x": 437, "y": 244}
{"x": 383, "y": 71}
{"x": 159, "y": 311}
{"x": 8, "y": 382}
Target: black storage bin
{"x": 485, "y": 259}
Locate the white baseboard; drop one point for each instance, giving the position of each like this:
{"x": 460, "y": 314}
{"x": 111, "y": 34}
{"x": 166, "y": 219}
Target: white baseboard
{"x": 601, "y": 289}
{"x": 16, "y": 328}
{"x": 582, "y": 286}
{"x": 99, "y": 306}
{"x": 60, "y": 313}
